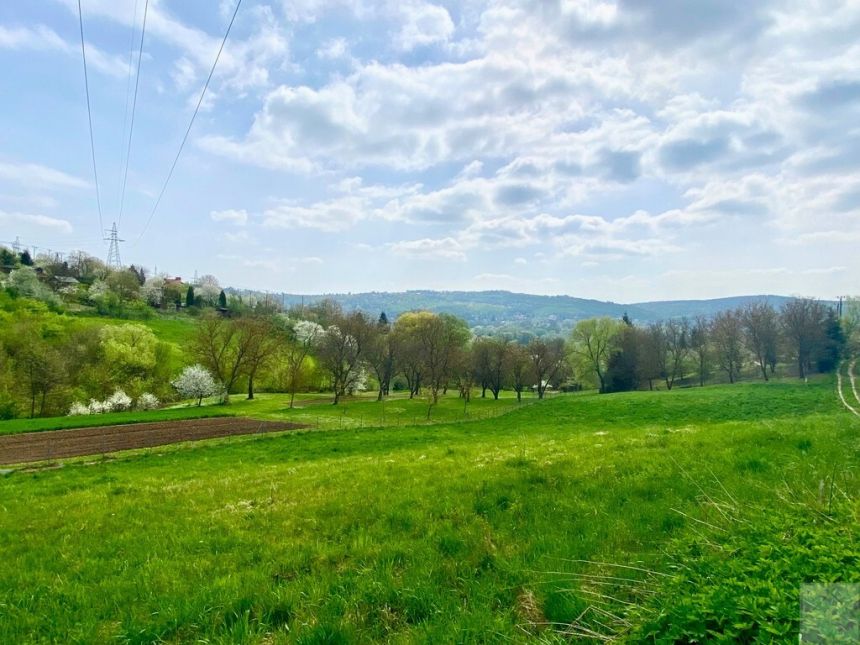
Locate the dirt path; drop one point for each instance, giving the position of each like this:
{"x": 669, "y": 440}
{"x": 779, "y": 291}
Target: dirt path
{"x": 853, "y": 380}
{"x": 839, "y": 388}
{"x": 58, "y": 444}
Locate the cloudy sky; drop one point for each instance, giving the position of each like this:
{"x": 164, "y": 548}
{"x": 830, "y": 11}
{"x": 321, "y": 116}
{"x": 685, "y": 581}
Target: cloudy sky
{"x": 616, "y": 149}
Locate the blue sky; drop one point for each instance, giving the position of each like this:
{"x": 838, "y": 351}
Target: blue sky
{"x": 623, "y": 150}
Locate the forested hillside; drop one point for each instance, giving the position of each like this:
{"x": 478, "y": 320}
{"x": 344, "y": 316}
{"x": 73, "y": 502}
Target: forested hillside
{"x": 491, "y": 312}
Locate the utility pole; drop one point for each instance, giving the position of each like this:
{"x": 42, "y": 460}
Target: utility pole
{"x": 113, "y": 259}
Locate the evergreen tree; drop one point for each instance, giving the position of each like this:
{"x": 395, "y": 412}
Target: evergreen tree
{"x": 222, "y": 300}
{"x": 189, "y": 296}
{"x": 383, "y": 320}
{"x": 26, "y": 260}
{"x": 833, "y": 344}
{"x": 8, "y": 259}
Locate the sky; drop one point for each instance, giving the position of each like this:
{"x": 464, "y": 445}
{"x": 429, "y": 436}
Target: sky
{"x": 621, "y": 150}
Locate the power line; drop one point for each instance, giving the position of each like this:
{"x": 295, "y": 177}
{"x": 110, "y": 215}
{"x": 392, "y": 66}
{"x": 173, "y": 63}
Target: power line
{"x": 190, "y": 123}
{"x": 90, "y": 115}
{"x": 131, "y": 40}
{"x": 133, "y": 108}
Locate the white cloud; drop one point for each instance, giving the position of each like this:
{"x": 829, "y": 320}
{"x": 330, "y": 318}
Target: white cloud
{"x": 243, "y": 65}
{"x": 430, "y": 249}
{"x": 238, "y": 217}
{"x": 333, "y": 49}
{"x": 32, "y": 174}
{"x": 43, "y": 38}
{"x": 39, "y": 221}
{"x": 423, "y": 24}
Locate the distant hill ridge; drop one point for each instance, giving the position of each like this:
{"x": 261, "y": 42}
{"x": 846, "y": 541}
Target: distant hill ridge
{"x": 505, "y": 310}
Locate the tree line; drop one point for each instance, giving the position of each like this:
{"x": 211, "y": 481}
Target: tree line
{"x": 421, "y": 352}
{"x": 51, "y": 362}
{"x": 804, "y": 336}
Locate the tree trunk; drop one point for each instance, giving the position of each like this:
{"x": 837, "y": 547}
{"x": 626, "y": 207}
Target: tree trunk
{"x": 292, "y": 398}
{"x": 379, "y": 396}
{"x": 251, "y": 386}
{"x": 519, "y": 396}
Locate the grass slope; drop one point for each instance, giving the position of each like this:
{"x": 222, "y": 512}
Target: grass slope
{"x": 310, "y": 409}
{"x": 466, "y": 532}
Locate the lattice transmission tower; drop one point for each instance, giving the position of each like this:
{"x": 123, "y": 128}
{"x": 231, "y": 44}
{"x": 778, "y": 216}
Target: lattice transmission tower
{"x": 113, "y": 259}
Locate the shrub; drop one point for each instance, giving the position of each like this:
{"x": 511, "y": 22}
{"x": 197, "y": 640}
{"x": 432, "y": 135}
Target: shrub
{"x": 118, "y": 401}
{"x": 147, "y": 401}
{"x": 97, "y": 407}
{"x": 79, "y": 409}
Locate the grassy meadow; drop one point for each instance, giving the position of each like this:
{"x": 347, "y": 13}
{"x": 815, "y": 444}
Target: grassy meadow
{"x": 686, "y": 515}
{"x": 312, "y": 409}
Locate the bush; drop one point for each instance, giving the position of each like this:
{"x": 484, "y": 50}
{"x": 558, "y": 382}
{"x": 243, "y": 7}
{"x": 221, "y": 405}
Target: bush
{"x": 147, "y": 401}
{"x": 97, "y": 407}
{"x": 79, "y": 409}
{"x": 117, "y": 402}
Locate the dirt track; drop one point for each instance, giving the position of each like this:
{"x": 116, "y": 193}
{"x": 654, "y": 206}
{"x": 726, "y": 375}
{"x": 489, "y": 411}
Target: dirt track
{"x": 57, "y": 444}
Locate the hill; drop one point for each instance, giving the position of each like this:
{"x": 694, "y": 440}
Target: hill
{"x": 504, "y": 311}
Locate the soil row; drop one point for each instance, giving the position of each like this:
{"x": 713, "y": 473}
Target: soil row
{"x": 78, "y": 442}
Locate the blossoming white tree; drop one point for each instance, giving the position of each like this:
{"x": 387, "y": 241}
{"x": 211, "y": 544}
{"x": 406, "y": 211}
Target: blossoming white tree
{"x": 153, "y": 290}
{"x": 118, "y": 401}
{"x": 195, "y": 382}
{"x": 147, "y": 401}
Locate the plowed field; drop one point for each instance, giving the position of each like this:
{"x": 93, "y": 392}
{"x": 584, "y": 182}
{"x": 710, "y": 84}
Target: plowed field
{"x": 58, "y": 444}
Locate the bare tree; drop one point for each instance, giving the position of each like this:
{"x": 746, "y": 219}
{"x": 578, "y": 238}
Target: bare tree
{"x": 676, "y": 336}
{"x": 481, "y": 362}
{"x": 803, "y": 321}
{"x": 227, "y": 348}
{"x": 761, "y": 324}
{"x": 491, "y": 358}
{"x": 342, "y": 348}
{"x": 700, "y": 346}
{"x": 654, "y": 355}
{"x": 381, "y": 353}
{"x": 294, "y": 354}
{"x": 519, "y": 369}
{"x": 727, "y": 335}
{"x": 548, "y": 358}
{"x": 404, "y": 338}
{"x": 440, "y": 337}
{"x": 40, "y": 370}
{"x": 267, "y": 338}
{"x": 465, "y": 375}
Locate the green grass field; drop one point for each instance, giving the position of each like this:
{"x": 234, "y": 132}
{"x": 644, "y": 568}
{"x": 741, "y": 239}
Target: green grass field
{"x": 312, "y": 409}
{"x": 490, "y": 530}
